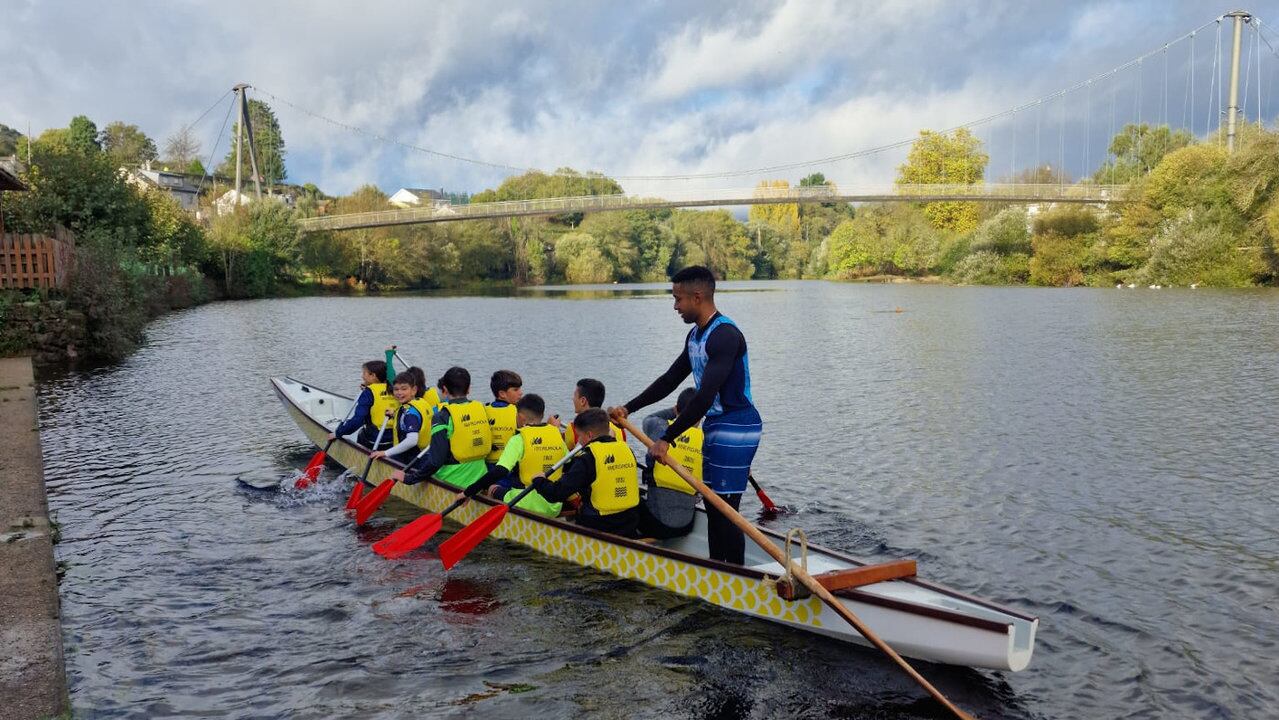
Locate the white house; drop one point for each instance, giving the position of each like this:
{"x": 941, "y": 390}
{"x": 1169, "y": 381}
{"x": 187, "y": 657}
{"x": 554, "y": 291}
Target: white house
{"x": 418, "y": 197}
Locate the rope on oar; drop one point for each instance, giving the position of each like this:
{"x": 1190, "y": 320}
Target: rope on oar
{"x": 797, "y": 572}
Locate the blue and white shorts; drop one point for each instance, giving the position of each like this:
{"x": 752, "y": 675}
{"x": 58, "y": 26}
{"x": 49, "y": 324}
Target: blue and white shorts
{"x": 731, "y": 440}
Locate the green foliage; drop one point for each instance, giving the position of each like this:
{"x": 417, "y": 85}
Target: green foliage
{"x": 564, "y": 182}
{"x": 126, "y": 145}
{"x": 714, "y": 239}
{"x": 1199, "y": 251}
{"x": 984, "y": 267}
{"x": 8, "y": 140}
{"x": 1137, "y": 149}
{"x": 889, "y": 238}
{"x": 1067, "y": 221}
{"x": 82, "y": 136}
{"x": 578, "y": 257}
{"x": 254, "y": 247}
{"x": 1058, "y": 259}
{"x": 269, "y": 141}
{"x": 1004, "y": 233}
{"x": 946, "y": 158}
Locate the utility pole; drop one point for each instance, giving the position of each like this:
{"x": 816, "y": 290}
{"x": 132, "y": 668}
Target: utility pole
{"x": 1232, "y": 112}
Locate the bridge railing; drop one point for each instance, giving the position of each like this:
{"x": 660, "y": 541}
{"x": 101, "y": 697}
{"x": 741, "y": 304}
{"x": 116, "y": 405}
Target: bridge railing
{"x": 1017, "y": 192}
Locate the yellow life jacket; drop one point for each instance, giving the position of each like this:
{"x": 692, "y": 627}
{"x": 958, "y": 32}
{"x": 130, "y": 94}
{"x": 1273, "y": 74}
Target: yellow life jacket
{"x": 570, "y": 435}
{"x": 423, "y": 435}
{"x": 383, "y": 400}
{"x": 471, "y": 438}
{"x": 543, "y": 447}
{"x": 616, "y": 486}
{"x": 502, "y": 425}
{"x": 687, "y": 451}
{"x": 432, "y": 400}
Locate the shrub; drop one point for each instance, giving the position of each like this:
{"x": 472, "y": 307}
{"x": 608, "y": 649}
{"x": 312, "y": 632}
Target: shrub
{"x": 1004, "y": 233}
{"x": 984, "y": 267}
{"x": 1201, "y": 252}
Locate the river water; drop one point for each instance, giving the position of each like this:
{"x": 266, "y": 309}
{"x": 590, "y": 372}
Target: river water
{"x": 1105, "y": 459}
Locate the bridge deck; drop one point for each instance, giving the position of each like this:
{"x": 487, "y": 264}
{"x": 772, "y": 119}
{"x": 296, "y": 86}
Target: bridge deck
{"x": 1021, "y": 193}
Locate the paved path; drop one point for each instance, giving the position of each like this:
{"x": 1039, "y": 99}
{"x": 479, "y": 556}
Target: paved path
{"x": 33, "y": 681}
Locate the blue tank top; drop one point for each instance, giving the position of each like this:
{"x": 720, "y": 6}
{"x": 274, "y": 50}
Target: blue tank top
{"x": 736, "y": 391}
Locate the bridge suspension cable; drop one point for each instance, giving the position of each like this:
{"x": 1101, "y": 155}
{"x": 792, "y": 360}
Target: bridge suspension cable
{"x": 1037, "y": 104}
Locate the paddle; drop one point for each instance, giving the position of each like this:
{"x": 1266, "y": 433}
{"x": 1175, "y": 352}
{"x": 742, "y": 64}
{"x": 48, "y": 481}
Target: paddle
{"x": 465, "y": 540}
{"x": 358, "y": 490}
{"x": 371, "y": 502}
{"x": 316, "y": 462}
{"x": 769, "y": 507}
{"x": 796, "y": 571}
{"x": 412, "y": 536}
{"x": 312, "y": 470}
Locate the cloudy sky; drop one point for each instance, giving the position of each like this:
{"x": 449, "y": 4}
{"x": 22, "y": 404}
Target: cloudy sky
{"x": 627, "y": 88}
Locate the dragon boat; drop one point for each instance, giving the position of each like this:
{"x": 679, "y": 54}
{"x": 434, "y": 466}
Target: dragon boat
{"x": 919, "y": 619}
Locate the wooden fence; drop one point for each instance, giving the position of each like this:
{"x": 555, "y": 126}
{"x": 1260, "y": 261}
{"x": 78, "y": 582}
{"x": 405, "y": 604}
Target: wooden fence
{"x": 36, "y": 261}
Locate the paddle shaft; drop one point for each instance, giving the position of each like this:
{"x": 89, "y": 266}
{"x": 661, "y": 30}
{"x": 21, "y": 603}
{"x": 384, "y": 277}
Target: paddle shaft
{"x": 798, "y": 572}
{"x": 558, "y": 464}
{"x": 376, "y": 441}
{"x": 763, "y": 496}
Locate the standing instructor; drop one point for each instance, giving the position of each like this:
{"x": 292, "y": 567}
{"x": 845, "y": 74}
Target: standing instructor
{"x": 715, "y": 354}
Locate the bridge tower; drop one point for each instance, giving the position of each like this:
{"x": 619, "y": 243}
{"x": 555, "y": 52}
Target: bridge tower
{"x": 243, "y": 122}
{"x": 1232, "y": 112}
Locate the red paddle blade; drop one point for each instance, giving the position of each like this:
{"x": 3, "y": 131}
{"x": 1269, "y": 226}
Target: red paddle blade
{"x": 410, "y": 537}
{"x": 768, "y": 504}
{"x": 465, "y": 540}
{"x": 311, "y": 471}
{"x": 371, "y": 502}
{"x": 356, "y": 493}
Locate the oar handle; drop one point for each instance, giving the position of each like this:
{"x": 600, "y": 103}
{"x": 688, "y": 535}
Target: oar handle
{"x": 395, "y": 353}
{"x": 796, "y": 571}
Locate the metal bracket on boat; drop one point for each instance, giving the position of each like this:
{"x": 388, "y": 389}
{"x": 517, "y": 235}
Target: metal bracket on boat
{"x": 787, "y": 587}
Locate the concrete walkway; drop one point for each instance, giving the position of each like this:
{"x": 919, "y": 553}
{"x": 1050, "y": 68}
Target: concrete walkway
{"x": 33, "y": 680}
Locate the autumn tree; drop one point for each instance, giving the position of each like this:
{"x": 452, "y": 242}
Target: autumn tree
{"x": 946, "y": 159}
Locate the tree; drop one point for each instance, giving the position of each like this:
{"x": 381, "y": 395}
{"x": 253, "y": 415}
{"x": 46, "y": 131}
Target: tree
{"x": 714, "y": 239}
{"x": 182, "y": 148}
{"x": 82, "y": 135}
{"x": 946, "y": 159}
{"x": 126, "y": 145}
{"x": 8, "y": 140}
{"x": 782, "y": 216}
{"x": 579, "y": 257}
{"x": 1137, "y": 149}
{"x": 1004, "y": 233}
{"x": 269, "y": 142}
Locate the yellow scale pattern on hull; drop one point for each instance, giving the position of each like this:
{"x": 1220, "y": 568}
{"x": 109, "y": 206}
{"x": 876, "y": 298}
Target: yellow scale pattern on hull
{"x": 754, "y": 597}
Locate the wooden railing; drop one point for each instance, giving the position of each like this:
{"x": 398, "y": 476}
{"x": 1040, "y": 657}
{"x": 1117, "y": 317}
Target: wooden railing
{"x": 36, "y": 261}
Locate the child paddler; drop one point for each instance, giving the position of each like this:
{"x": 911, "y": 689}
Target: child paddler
{"x": 459, "y": 438}
{"x": 507, "y": 387}
{"x": 372, "y": 406}
{"x": 605, "y": 474}
{"x": 587, "y": 394}
{"x": 530, "y": 452}
{"x": 667, "y": 510}
{"x": 407, "y": 437}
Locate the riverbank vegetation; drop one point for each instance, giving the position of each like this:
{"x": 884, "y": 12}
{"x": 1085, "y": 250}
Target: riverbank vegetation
{"x": 1194, "y": 214}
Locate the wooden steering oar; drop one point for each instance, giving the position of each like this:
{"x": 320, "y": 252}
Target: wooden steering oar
{"x": 796, "y": 571}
